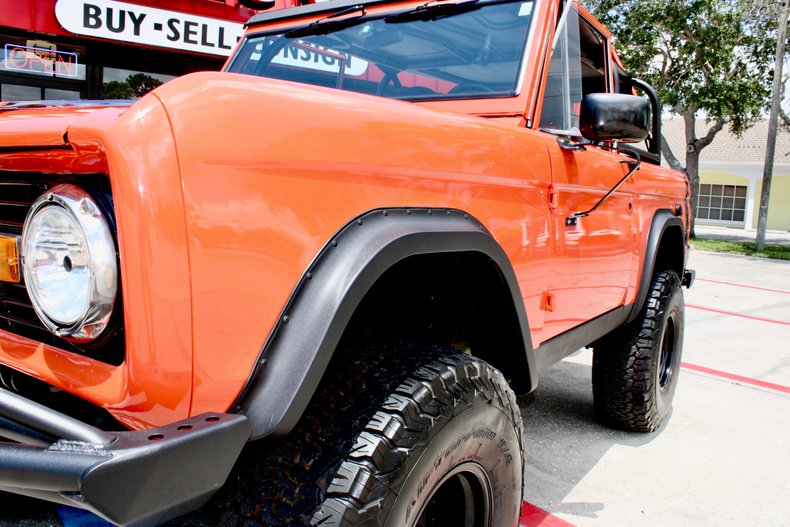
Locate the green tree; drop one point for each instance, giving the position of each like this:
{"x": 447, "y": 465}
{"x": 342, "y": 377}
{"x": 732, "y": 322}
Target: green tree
{"x": 135, "y": 85}
{"x": 709, "y": 59}
{"x": 142, "y": 83}
{"x": 117, "y": 90}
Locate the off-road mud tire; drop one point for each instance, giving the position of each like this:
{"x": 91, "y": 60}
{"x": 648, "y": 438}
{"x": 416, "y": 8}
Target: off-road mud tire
{"x": 385, "y": 426}
{"x": 635, "y": 369}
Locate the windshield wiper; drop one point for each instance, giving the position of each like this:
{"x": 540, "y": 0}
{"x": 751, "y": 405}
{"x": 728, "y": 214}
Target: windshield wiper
{"x": 326, "y": 25}
{"x": 433, "y": 11}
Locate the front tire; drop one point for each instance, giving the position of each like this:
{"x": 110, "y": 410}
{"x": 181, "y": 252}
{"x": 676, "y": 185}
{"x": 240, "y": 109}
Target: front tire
{"x": 395, "y": 436}
{"x": 635, "y": 369}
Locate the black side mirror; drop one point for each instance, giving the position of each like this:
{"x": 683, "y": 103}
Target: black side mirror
{"x": 614, "y": 117}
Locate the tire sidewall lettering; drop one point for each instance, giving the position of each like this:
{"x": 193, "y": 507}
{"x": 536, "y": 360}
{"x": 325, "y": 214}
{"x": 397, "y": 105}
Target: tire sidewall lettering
{"x": 476, "y": 435}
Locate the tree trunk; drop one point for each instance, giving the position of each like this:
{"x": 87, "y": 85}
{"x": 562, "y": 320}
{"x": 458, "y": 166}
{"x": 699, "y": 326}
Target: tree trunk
{"x": 770, "y": 149}
{"x": 692, "y": 164}
{"x": 692, "y": 173}
{"x": 694, "y": 146}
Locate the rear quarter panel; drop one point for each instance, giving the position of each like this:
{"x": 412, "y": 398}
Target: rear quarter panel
{"x": 655, "y": 188}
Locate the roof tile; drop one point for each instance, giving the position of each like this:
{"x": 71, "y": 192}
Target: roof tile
{"x": 726, "y": 146}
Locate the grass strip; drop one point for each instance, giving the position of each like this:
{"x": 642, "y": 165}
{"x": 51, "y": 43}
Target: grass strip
{"x": 776, "y": 252}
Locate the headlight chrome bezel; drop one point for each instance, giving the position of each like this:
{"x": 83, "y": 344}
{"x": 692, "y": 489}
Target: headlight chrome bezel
{"x": 102, "y": 264}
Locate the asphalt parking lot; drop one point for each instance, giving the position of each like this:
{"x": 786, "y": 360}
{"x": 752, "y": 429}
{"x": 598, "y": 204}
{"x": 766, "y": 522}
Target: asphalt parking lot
{"x": 722, "y": 459}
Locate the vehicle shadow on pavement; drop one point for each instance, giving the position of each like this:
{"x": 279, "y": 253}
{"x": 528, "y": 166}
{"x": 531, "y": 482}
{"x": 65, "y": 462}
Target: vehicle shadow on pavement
{"x": 564, "y": 441}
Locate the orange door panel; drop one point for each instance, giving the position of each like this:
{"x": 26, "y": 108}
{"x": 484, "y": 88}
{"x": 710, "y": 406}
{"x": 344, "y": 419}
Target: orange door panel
{"x": 591, "y": 261}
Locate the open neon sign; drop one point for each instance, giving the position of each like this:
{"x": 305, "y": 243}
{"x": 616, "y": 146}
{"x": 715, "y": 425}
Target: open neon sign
{"x": 41, "y": 61}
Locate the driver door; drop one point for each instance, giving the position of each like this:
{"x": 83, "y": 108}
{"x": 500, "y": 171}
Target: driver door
{"x": 592, "y": 260}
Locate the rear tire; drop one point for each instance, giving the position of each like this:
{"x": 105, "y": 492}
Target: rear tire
{"x": 635, "y": 369}
{"x": 404, "y": 436}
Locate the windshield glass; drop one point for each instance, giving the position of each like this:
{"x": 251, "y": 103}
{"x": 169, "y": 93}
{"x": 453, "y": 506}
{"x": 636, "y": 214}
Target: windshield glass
{"x": 463, "y": 50}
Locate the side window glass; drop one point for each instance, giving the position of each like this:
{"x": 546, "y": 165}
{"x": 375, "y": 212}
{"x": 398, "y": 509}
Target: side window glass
{"x": 593, "y": 59}
{"x": 577, "y": 67}
{"x": 563, "y": 83}
{"x": 621, "y": 84}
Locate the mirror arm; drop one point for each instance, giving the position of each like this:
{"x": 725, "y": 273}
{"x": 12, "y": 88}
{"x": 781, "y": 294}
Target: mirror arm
{"x": 635, "y": 163}
{"x": 654, "y": 146}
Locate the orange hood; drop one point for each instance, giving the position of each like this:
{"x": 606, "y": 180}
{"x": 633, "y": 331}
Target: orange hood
{"x": 37, "y": 125}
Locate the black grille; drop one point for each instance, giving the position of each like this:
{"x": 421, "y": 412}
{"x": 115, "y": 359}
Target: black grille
{"x": 15, "y": 200}
{"x": 18, "y": 191}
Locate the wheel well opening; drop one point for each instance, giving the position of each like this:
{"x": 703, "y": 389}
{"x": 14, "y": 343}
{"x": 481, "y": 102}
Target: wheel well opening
{"x": 458, "y": 300}
{"x": 671, "y": 252}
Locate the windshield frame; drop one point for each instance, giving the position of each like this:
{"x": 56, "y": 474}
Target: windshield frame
{"x": 279, "y": 23}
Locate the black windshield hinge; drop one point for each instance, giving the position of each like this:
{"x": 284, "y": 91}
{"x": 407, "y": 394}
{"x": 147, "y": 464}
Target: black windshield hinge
{"x": 570, "y": 144}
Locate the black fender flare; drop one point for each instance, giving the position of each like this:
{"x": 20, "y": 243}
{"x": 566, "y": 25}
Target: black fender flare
{"x": 663, "y": 221}
{"x": 298, "y": 350}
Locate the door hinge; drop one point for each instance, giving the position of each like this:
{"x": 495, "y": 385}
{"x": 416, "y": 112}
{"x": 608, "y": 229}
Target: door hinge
{"x": 553, "y": 197}
{"x": 548, "y": 300}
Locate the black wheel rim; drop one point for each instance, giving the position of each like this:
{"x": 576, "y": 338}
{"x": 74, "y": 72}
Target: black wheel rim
{"x": 667, "y": 359}
{"x": 461, "y": 499}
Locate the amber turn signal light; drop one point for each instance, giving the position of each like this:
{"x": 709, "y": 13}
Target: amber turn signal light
{"x": 9, "y": 259}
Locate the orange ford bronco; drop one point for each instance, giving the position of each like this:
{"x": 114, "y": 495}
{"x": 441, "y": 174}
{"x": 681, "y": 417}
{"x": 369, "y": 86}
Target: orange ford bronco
{"x": 346, "y": 251}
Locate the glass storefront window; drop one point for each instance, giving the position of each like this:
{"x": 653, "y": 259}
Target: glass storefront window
{"x": 17, "y": 92}
{"x": 129, "y": 84}
{"x": 40, "y": 58}
{"x": 52, "y": 94}
{"x": 43, "y": 67}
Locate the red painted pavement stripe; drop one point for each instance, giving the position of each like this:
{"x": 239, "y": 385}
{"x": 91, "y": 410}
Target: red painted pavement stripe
{"x": 743, "y": 285}
{"x": 532, "y": 516}
{"x": 738, "y": 378}
{"x": 730, "y": 313}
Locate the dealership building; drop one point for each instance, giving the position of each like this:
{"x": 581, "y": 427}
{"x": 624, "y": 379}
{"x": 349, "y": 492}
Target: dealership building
{"x": 98, "y": 49}
{"x": 731, "y": 175}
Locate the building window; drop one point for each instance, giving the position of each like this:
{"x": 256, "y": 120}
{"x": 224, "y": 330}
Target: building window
{"x": 16, "y": 92}
{"x": 722, "y": 202}
{"x": 19, "y": 92}
{"x": 129, "y": 84}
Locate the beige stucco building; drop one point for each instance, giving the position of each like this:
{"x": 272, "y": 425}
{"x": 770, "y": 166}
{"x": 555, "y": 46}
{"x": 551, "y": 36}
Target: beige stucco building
{"x": 731, "y": 174}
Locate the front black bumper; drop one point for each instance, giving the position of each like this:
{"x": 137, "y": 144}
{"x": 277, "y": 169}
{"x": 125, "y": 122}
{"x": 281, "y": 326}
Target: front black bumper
{"x": 129, "y": 478}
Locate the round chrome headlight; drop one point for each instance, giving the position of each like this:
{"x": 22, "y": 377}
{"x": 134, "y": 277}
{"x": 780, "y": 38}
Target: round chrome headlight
{"x": 69, "y": 263}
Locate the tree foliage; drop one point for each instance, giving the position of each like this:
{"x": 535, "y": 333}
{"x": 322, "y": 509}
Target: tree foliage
{"x": 142, "y": 83}
{"x": 117, "y": 90}
{"x": 135, "y": 85}
{"x": 714, "y": 56}
{"x": 706, "y": 58}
